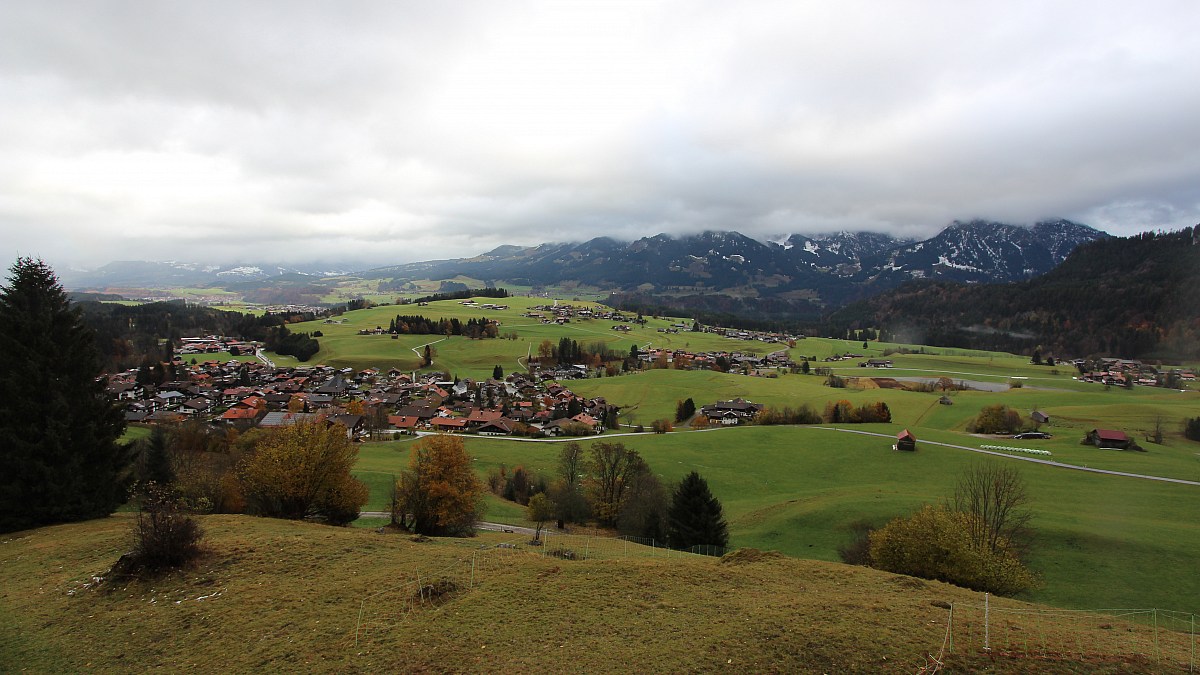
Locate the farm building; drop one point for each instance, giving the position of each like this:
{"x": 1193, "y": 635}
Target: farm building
{"x": 1039, "y": 417}
{"x": 905, "y": 441}
{"x": 1108, "y": 438}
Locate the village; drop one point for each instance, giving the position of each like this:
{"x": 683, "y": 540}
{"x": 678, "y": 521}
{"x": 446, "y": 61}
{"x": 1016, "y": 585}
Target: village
{"x": 371, "y": 403}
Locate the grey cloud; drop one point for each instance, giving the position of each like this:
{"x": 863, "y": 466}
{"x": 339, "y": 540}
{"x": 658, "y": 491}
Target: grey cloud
{"x": 399, "y": 131}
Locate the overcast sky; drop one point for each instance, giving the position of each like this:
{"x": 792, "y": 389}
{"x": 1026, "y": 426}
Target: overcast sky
{"x": 399, "y": 131}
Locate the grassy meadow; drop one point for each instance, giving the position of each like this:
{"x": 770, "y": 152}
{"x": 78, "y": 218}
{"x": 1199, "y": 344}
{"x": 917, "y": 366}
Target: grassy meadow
{"x": 1101, "y": 540}
{"x": 275, "y": 595}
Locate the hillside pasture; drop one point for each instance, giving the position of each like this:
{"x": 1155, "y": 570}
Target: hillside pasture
{"x": 342, "y": 346}
{"x": 1102, "y": 540}
{"x": 282, "y": 595}
{"x": 802, "y": 491}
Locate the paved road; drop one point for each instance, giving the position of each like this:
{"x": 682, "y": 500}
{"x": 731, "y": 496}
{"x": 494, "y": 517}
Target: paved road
{"x": 490, "y": 527}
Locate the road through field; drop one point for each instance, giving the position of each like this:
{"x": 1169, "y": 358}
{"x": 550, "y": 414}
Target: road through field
{"x": 1047, "y": 462}
{"x": 981, "y": 451}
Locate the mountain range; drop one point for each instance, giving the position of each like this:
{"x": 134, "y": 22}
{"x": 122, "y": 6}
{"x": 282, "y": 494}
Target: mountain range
{"x": 808, "y": 274}
{"x": 1130, "y": 296}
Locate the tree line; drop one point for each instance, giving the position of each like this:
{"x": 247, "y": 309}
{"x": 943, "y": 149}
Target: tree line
{"x": 463, "y": 295}
{"x": 415, "y": 324}
{"x": 613, "y": 486}
{"x": 130, "y": 335}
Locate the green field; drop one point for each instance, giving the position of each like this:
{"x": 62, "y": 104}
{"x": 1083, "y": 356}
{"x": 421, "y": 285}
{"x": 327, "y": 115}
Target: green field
{"x": 1102, "y": 540}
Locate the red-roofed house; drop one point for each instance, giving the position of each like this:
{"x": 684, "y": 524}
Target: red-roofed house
{"x": 404, "y": 422}
{"x": 448, "y": 423}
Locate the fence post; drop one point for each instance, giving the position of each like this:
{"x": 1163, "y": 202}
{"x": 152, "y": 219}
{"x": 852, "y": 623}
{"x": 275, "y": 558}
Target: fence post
{"x": 587, "y": 543}
{"x": 986, "y": 619}
{"x": 361, "y": 605}
{"x": 626, "y": 554}
{"x": 1157, "y": 651}
{"x": 473, "y": 569}
{"x": 951, "y": 628}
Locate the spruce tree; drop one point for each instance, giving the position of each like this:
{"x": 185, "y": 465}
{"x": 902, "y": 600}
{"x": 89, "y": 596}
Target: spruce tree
{"x": 695, "y": 516}
{"x": 59, "y": 456}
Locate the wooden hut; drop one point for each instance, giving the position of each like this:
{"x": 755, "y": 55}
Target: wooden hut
{"x": 906, "y": 441}
{"x": 1109, "y": 438}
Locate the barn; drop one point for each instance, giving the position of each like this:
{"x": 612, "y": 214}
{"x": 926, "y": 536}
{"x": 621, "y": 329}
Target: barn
{"x": 905, "y": 441}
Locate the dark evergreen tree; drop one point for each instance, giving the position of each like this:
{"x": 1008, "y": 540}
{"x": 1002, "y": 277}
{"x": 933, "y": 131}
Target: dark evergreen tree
{"x": 1191, "y": 429}
{"x": 695, "y": 516}
{"x": 59, "y": 456}
{"x": 156, "y": 458}
{"x": 684, "y": 410}
{"x": 497, "y": 373}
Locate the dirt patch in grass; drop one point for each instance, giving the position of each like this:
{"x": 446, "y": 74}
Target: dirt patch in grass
{"x": 437, "y": 593}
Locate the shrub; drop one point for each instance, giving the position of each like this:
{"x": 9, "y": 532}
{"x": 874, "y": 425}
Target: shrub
{"x": 996, "y": 419}
{"x": 661, "y": 426}
{"x": 934, "y": 543}
{"x": 164, "y": 535}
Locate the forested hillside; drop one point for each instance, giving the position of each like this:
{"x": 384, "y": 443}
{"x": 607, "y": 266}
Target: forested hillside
{"x": 129, "y": 335}
{"x": 1133, "y": 297}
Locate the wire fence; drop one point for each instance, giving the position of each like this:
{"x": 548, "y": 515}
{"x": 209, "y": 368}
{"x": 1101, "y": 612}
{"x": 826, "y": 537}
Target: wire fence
{"x": 1164, "y": 638}
{"x": 583, "y": 547}
{"x": 385, "y": 611}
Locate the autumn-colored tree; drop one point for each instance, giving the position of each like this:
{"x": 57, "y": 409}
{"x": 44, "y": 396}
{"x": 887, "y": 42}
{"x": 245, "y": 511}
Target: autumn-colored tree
{"x": 303, "y": 471}
{"x": 841, "y": 412}
{"x": 541, "y": 509}
{"x": 295, "y": 404}
{"x": 545, "y": 350}
{"x": 611, "y": 469}
{"x": 356, "y": 407}
{"x": 439, "y": 494}
{"x": 996, "y": 419}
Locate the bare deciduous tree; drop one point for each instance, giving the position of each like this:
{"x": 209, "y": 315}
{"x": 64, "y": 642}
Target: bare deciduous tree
{"x": 995, "y": 497}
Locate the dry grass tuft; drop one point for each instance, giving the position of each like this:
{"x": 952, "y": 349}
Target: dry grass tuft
{"x": 746, "y": 556}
